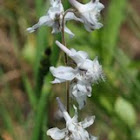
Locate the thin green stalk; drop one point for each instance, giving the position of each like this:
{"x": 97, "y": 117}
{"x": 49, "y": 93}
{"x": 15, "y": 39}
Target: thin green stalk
{"x": 41, "y": 109}
{"x": 66, "y": 58}
{"x": 30, "y": 92}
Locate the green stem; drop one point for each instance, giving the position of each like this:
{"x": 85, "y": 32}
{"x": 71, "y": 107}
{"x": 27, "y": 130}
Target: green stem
{"x": 30, "y": 92}
{"x": 66, "y": 58}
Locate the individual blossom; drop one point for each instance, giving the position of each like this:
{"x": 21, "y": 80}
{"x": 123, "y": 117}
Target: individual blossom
{"x": 63, "y": 74}
{"x": 53, "y": 18}
{"x": 89, "y": 13}
{"x": 86, "y": 73}
{"x": 74, "y": 130}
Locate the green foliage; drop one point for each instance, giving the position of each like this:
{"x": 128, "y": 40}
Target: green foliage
{"x": 40, "y": 114}
{"x": 30, "y": 92}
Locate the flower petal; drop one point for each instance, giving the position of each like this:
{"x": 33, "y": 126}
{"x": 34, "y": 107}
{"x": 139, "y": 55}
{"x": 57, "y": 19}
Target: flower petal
{"x": 68, "y": 31}
{"x": 44, "y": 20}
{"x": 77, "y": 56}
{"x": 56, "y": 133}
{"x": 100, "y": 6}
{"x": 63, "y": 110}
{"x": 63, "y": 74}
{"x": 75, "y": 4}
{"x": 63, "y": 48}
{"x": 81, "y": 101}
{"x": 78, "y": 133}
{"x": 97, "y": 72}
{"x": 88, "y": 121}
{"x": 86, "y": 65}
{"x": 79, "y": 92}
{"x": 71, "y": 16}
{"x": 81, "y": 88}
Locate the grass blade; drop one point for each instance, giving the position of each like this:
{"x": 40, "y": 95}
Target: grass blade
{"x": 110, "y": 32}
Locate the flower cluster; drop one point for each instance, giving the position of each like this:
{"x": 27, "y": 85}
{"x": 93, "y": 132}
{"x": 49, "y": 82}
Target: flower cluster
{"x": 88, "y": 13}
{"x": 74, "y": 130}
{"x": 86, "y": 72}
{"x": 85, "y": 13}
{"x": 53, "y": 18}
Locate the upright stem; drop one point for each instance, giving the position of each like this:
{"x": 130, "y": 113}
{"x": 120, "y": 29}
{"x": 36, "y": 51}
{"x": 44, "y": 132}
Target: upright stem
{"x": 63, "y": 35}
{"x": 66, "y": 61}
{"x": 66, "y": 58}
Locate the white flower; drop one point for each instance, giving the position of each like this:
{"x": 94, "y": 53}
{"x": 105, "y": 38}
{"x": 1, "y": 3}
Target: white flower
{"x": 79, "y": 91}
{"x": 87, "y": 69}
{"x": 89, "y": 13}
{"x": 62, "y": 74}
{"x": 53, "y": 18}
{"x": 74, "y": 130}
{"x": 82, "y": 77}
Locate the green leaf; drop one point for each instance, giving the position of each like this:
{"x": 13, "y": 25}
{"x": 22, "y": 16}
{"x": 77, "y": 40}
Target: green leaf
{"x": 125, "y": 111}
{"x": 110, "y": 32}
{"x": 30, "y": 92}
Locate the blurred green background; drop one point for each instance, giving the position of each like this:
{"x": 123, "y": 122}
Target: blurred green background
{"x": 27, "y": 99}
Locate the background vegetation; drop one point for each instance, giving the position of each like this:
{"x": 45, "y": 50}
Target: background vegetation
{"x": 27, "y": 99}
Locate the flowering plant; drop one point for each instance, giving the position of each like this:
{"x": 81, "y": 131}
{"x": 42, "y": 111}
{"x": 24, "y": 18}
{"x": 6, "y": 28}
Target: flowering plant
{"x": 86, "y": 72}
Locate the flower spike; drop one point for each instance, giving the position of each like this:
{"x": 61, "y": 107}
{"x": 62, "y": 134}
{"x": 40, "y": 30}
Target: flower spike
{"x": 74, "y": 130}
{"x": 88, "y": 13}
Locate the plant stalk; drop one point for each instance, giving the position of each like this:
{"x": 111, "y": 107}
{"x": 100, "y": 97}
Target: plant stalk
{"x": 66, "y": 58}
